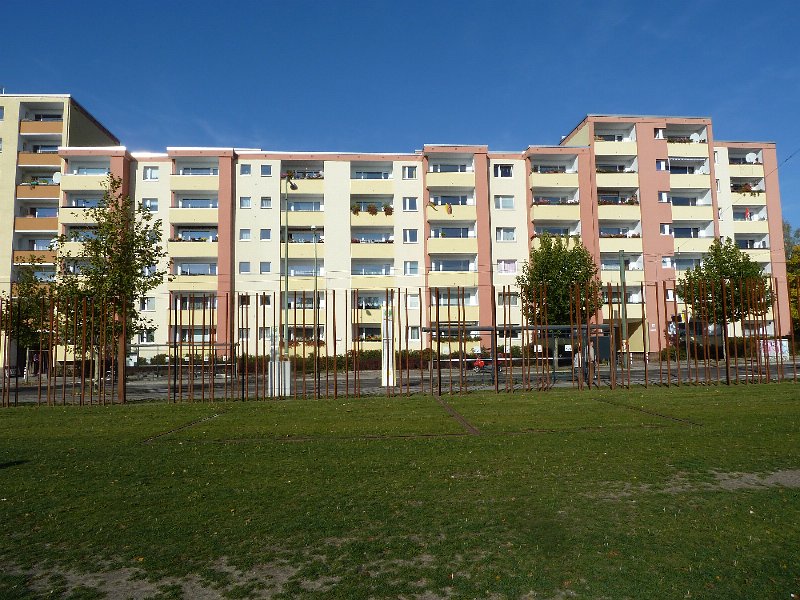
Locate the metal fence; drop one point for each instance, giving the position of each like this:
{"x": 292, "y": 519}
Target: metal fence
{"x": 399, "y": 342}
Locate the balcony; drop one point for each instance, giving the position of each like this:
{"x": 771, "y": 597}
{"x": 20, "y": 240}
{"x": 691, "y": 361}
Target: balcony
{"x": 633, "y": 276}
{"x": 687, "y": 149}
{"x": 746, "y": 227}
{"x": 41, "y": 127}
{"x": 605, "y": 148}
{"x": 445, "y": 180}
{"x": 700, "y": 245}
{"x": 693, "y": 213}
{"x": 194, "y": 183}
{"x": 364, "y": 219}
{"x": 554, "y": 180}
{"x": 304, "y": 218}
{"x": 618, "y": 212}
{"x": 192, "y": 249}
{"x": 684, "y": 181}
{"x": 617, "y": 180}
{"x": 39, "y": 192}
{"x": 748, "y": 170}
{"x": 26, "y": 256}
{"x": 453, "y": 245}
{"x": 445, "y": 279}
{"x": 556, "y": 212}
{"x": 375, "y": 250}
{"x": 38, "y": 159}
{"x": 81, "y": 183}
{"x": 755, "y": 197}
{"x": 36, "y": 224}
{"x": 631, "y": 245}
{"x": 365, "y": 187}
{"x": 455, "y": 212}
{"x": 193, "y": 216}
{"x": 305, "y": 251}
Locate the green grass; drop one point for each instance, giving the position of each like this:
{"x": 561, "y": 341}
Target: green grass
{"x": 597, "y": 494}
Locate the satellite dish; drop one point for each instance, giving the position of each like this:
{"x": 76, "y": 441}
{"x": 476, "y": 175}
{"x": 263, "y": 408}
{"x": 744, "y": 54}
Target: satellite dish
{"x": 750, "y": 158}
{"x": 703, "y": 170}
{"x": 57, "y": 177}
{"x": 695, "y": 137}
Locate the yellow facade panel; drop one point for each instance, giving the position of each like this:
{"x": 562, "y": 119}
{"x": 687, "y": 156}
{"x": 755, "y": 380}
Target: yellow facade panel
{"x": 34, "y": 224}
{"x": 452, "y": 245}
{"x": 36, "y": 159}
{"x": 746, "y": 170}
{"x": 193, "y": 249}
{"x": 193, "y": 216}
{"x": 82, "y": 183}
{"x": 619, "y": 212}
{"x": 372, "y": 250}
{"x": 617, "y": 244}
{"x": 696, "y": 150}
{"x": 554, "y": 180}
{"x": 557, "y": 212}
{"x": 692, "y": 182}
{"x": 617, "y": 180}
{"x": 75, "y": 216}
{"x": 194, "y": 183}
{"x": 364, "y": 219}
{"x": 452, "y": 279}
{"x": 39, "y": 127}
{"x": 444, "y": 180}
{"x": 305, "y": 251}
{"x": 749, "y": 198}
{"x": 456, "y": 213}
{"x": 383, "y": 187}
{"x": 693, "y": 244}
{"x": 38, "y": 191}
{"x": 757, "y": 227}
{"x": 602, "y": 148}
{"x": 692, "y": 213}
{"x": 372, "y": 282}
{"x": 305, "y": 219}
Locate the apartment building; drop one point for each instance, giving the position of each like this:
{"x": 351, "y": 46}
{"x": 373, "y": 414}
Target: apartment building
{"x": 647, "y": 193}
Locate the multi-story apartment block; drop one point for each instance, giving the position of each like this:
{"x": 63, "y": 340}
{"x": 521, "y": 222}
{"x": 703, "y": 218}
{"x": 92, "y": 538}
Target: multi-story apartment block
{"x": 647, "y": 193}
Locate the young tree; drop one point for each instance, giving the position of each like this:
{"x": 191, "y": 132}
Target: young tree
{"x": 702, "y": 287}
{"x": 793, "y": 282}
{"x": 554, "y": 269}
{"x": 791, "y": 239}
{"x": 121, "y": 259}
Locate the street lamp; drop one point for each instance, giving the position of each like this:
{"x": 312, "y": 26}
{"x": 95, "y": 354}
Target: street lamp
{"x": 285, "y": 346}
{"x": 316, "y": 317}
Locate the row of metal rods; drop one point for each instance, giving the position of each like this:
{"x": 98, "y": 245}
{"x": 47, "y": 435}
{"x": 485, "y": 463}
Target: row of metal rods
{"x": 211, "y": 340}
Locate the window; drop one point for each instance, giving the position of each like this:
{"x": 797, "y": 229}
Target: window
{"x": 265, "y": 299}
{"x": 244, "y": 266}
{"x": 1, "y": 144}
{"x": 507, "y": 299}
{"x": 409, "y": 204}
{"x": 264, "y": 267}
{"x": 409, "y": 236}
{"x": 265, "y": 235}
{"x": 244, "y": 201}
{"x": 266, "y": 202}
{"x": 148, "y": 336}
{"x": 716, "y": 157}
{"x": 194, "y": 269}
{"x": 671, "y": 295}
{"x": 244, "y": 235}
{"x": 412, "y": 301}
{"x": 504, "y": 202}
{"x": 503, "y": 170}
{"x": 658, "y": 133}
{"x": 661, "y": 164}
{"x": 449, "y": 168}
{"x": 147, "y": 303}
{"x": 198, "y": 171}
{"x": 413, "y": 334}
{"x": 244, "y": 169}
{"x": 265, "y": 333}
{"x": 371, "y": 175}
{"x": 663, "y": 197}
{"x": 150, "y": 174}
{"x": 666, "y": 229}
{"x": 409, "y": 172}
{"x": 505, "y": 234}
{"x": 151, "y": 270}
{"x": 2, "y": 113}
{"x": 150, "y": 204}
{"x": 411, "y": 267}
{"x": 507, "y": 266}
{"x": 717, "y": 182}
{"x": 198, "y": 203}
{"x": 266, "y": 170}
{"x": 244, "y": 333}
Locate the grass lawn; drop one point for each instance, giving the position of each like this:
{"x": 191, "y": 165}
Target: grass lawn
{"x": 659, "y": 493}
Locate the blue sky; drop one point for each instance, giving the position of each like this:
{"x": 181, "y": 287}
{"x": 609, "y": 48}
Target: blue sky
{"x": 392, "y": 76}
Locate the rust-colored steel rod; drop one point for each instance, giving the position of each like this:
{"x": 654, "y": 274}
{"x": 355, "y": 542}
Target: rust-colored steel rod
{"x": 666, "y": 324}
{"x": 792, "y": 324}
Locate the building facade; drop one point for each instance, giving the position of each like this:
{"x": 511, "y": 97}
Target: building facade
{"x": 647, "y": 193}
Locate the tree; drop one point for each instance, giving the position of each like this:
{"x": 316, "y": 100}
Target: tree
{"x": 552, "y": 272}
{"x": 121, "y": 259}
{"x": 747, "y": 291}
{"x": 792, "y": 279}
{"x": 791, "y": 239}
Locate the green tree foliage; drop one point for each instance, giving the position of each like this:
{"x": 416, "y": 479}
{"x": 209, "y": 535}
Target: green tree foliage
{"x": 554, "y": 269}
{"x": 793, "y": 279}
{"x": 747, "y": 290}
{"x": 121, "y": 259}
{"x": 28, "y": 315}
{"x": 791, "y": 239}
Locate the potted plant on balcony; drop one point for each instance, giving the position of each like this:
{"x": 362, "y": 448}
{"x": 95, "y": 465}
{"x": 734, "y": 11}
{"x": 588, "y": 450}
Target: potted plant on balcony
{"x": 372, "y": 209}
{"x": 355, "y": 209}
{"x": 388, "y": 209}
